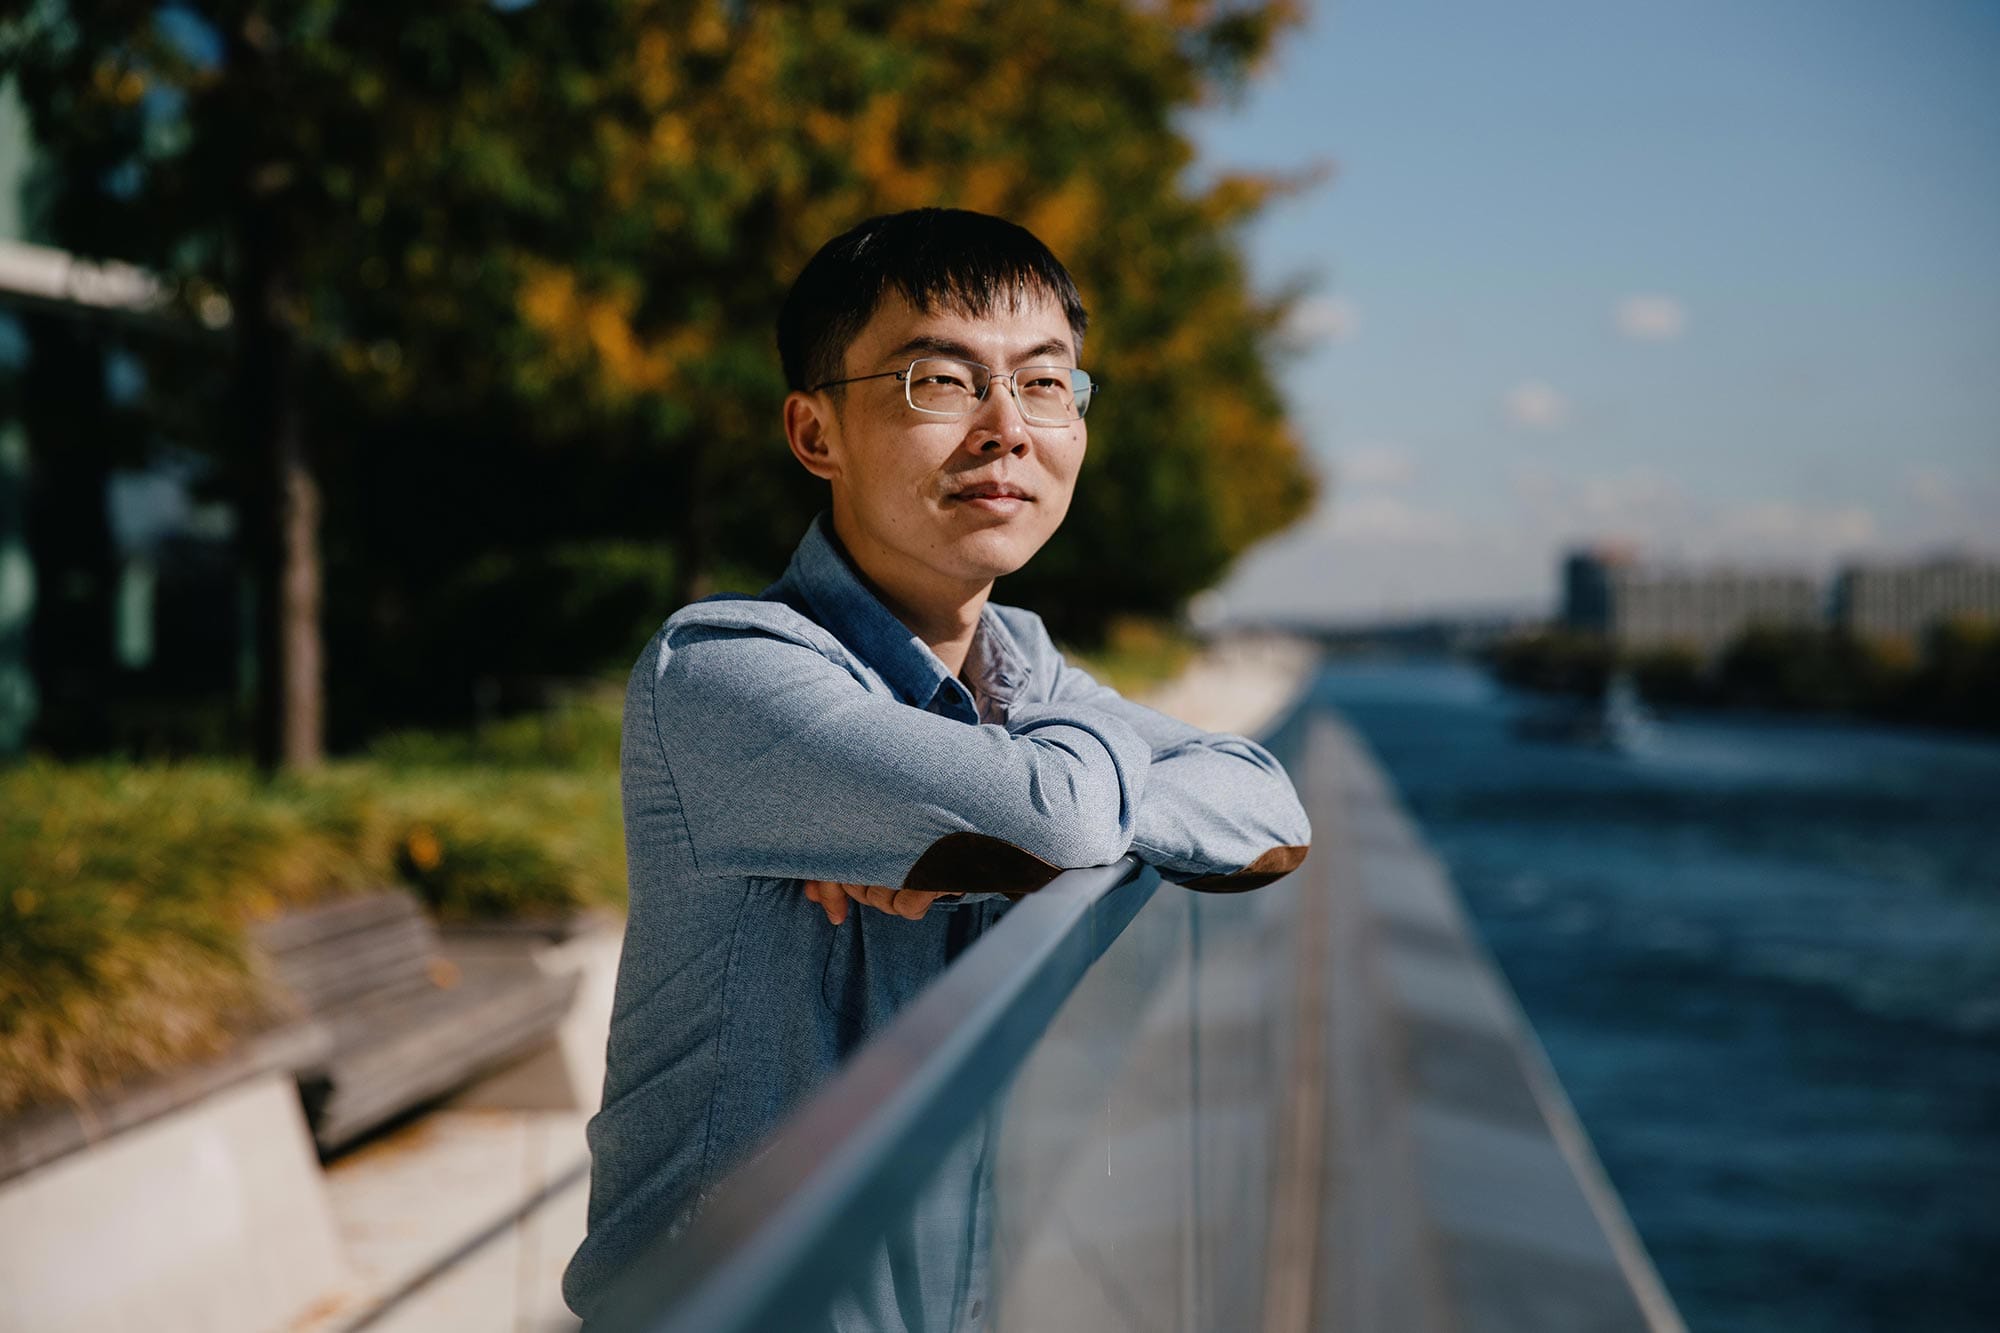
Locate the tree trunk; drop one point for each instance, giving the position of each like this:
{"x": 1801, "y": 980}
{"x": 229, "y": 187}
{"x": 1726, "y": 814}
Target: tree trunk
{"x": 300, "y": 687}
{"x": 281, "y": 512}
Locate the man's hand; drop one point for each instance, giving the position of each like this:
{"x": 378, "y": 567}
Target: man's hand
{"x": 833, "y": 899}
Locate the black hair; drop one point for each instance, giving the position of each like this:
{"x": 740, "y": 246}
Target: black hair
{"x": 936, "y": 257}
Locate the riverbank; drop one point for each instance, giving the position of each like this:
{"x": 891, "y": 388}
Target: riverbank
{"x": 1949, "y": 679}
{"x": 1759, "y": 952}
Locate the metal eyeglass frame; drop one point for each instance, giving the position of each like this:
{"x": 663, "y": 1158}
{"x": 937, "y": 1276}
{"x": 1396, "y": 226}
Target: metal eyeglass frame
{"x": 907, "y": 376}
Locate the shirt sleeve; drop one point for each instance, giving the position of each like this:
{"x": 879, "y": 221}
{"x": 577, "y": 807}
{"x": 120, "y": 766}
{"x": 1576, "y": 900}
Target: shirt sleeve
{"x": 785, "y": 764}
{"x": 1219, "y": 812}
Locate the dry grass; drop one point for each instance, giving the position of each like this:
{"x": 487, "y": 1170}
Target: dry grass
{"x": 126, "y": 889}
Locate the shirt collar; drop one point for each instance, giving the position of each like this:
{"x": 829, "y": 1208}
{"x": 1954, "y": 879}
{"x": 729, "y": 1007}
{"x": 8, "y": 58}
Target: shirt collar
{"x": 832, "y": 589}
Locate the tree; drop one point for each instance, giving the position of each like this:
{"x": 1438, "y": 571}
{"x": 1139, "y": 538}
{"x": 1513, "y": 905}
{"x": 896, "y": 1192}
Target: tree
{"x": 1958, "y": 682}
{"x": 235, "y": 152}
{"x": 484, "y": 250}
{"x": 762, "y": 130}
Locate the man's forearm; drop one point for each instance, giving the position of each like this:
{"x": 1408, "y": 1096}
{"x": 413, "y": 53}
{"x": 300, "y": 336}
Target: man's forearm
{"x": 1220, "y": 813}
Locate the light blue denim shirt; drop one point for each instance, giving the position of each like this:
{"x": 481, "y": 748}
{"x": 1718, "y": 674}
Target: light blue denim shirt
{"x": 807, "y": 734}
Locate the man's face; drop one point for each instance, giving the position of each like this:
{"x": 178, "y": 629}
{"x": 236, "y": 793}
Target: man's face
{"x": 932, "y": 507}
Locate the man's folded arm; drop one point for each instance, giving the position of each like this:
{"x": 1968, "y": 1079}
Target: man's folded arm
{"x": 785, "y": 765}
{"x": 1219, "y": 812}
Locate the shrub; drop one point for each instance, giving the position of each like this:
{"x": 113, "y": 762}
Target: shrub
{"x": 1670, "y": 676}
{"x": 126, "y": 889}
{"x": 1138, "y": 653}
{"x": 121, "y": 921}
{"x": 1554, "y": 661}
{"x": 486, "y": 845}
{"x": 1959, "y": 679}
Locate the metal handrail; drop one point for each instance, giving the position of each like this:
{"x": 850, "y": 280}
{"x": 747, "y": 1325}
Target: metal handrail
{"x": 785, "y": 1228}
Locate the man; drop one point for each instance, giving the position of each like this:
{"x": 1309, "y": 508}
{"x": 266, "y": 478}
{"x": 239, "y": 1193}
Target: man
{"x": 830, "y": 789}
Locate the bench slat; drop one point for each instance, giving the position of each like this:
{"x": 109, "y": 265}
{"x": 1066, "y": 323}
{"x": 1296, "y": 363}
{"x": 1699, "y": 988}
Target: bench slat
{"x": 439, "y": 1050}
{"x": 327, "y": 921}
{"x": 404, "y": 1026}
{"x": 357, "y": 965}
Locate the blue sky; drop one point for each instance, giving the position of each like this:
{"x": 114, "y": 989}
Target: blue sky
{"x": 1721, "y": 280}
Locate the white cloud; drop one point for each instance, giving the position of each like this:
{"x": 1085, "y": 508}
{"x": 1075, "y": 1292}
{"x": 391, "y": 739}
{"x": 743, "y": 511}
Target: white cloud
{"x": 1650, "y": 318}
{"x": 1390, "y": 550}
{"x": 1375, "y": 518}
{"x": 1656, "y": 514}
{"x": 1783, "y": 530}
{"x": 1374, "y": 465}
{"x": 1951, "y": 508}
{"x": 1535, "y": 406}
{"x": 1328, "y": 571}
{"x": 1639, "y": 507}
{"x": 1329, "y": 318}
{"x": 1633, "y": 503}
{"x": 1932, "y": 487}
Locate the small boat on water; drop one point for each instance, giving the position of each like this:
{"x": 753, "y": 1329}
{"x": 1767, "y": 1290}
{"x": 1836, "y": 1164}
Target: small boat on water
{"x": 1620, "y": 721}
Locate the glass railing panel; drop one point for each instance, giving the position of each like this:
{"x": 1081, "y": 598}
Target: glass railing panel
{"x": 1074, "y": 1127}
{"x": 817, "y": 1211}
{"x": 1133, "y": 1181}
{"x": 1138, "y": 1152}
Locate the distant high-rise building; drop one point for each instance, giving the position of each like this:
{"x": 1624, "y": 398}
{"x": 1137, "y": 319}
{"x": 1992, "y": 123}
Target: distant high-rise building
{"x": 1639, "y": 606}
{"x": 1904, "y": 600}
{"x": 1586, "y": 583}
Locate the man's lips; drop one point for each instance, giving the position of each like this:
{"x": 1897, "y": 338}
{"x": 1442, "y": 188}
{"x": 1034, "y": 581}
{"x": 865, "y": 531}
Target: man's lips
{"x": 991, "y": 490}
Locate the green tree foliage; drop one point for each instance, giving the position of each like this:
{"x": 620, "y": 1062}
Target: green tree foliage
{"x": 530, "y": 258}
{"x": 753, "y": 133}
{"x": 1950, "y": 678}
{"x": 1554, "y": 662}
{"x": 1670, "y": 675}
{"x": 1958, "y": 680}
{"x": 1808, "y": 669}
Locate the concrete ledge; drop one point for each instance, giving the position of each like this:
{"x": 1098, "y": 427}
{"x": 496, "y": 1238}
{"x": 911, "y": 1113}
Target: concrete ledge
{"x": 44, "y": 1134}
{"x": 466, "y": 1217}
{"x": 210, "y": 1218}
{"x": 1454, "y": 1135}
{"x": 567, "y": 1072}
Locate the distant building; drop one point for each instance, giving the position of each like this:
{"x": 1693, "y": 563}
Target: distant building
{"x": 1638, "y": 606}
{"x": 1902, "y": 601}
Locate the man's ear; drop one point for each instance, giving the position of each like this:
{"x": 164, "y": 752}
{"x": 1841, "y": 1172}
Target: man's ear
{"x": 813, "y": 433}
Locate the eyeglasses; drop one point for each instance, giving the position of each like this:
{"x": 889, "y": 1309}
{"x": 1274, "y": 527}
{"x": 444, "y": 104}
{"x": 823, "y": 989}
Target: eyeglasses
{"x": 947, "y": 387}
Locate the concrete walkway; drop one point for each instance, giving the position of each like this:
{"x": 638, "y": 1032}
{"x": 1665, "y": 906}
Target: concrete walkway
{"x": 462, "y": 1221}
{"x": 414, "y": 1208}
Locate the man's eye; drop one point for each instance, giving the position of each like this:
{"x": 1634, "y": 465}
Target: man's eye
{"x": 944, "y": 379}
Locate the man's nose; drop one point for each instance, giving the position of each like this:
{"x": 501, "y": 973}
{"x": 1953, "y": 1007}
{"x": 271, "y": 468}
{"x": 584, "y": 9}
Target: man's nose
{"x": 999, "y": 416}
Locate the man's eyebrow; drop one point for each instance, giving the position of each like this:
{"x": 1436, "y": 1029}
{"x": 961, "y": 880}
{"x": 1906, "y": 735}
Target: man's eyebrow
{"x": 932, "y": 345}
{"x": 935, "y": 346}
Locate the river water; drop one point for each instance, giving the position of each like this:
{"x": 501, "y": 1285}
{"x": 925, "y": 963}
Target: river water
{"x": 1764, "y": 958}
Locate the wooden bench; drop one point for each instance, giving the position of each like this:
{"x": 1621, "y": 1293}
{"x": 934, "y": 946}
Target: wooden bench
{"x": 405, "y": 1025}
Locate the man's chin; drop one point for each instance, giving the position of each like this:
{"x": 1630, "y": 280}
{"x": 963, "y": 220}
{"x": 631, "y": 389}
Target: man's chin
{"x": 997, "y": 552}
